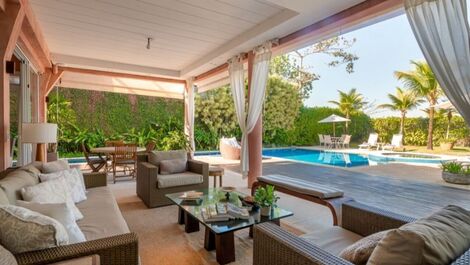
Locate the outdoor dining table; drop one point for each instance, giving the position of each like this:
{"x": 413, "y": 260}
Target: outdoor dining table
{"x": 109, "y": 150}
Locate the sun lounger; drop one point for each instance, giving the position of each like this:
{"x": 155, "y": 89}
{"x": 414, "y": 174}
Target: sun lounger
{"x": 371, "y": 142}
{"x": 396, "y": 142}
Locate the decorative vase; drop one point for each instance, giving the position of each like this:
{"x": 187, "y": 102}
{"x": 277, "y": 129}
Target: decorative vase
{"x": 266, "y": 211}
{"x": 447, "y": 146}
{"x": 456, "y": 178}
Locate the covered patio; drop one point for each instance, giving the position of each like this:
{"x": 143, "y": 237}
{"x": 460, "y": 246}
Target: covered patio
{"x": 68, "y": 46}
{"x": 176, "y": 49}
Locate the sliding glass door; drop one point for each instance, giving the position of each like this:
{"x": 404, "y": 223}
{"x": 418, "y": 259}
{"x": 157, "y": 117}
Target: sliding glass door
{"x": 24, "y": 99}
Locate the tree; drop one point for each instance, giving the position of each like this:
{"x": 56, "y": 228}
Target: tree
{"x": 293, "y": 68}
{"x": 423, "y": 81}
{"x": 402, "y": 101}
{"x": 349, "y": 103}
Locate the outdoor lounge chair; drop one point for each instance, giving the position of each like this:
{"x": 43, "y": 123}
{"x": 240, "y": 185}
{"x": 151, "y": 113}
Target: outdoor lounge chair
{"x": 275, "y": 246}
{"x": 307, "y": 190}
{"x": 397, "y": 140}
{"x": 230, "y": 148}
{"x": 371, "y": 142}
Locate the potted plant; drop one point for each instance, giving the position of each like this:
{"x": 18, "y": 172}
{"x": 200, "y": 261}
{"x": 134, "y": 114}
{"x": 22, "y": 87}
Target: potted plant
{"x": 456, "y": 173}
{"x": 448, "y": 143}
{"x": 265, "y": 198}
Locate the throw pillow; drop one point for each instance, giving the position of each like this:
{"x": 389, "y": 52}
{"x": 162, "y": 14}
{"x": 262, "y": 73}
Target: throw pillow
{"x": 6, "y": 258}
{"x": 74, "y": 180}
{"x": 60, "y": 212}
{"x": 172, "y": 166}
{"x": 359, "y": 252}
{"x": 55, "y": 166}
{"x": 24, "y": 230}
{"x": 438, "y": 239}
{"x": 155, "y": 157}
{"x": 52, "y": 191}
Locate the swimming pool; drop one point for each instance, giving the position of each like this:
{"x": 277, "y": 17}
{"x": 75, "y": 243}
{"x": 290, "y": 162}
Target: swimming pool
{"x": 331, "y": 158}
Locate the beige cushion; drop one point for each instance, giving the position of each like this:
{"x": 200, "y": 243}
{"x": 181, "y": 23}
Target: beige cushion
{"x": 437, "y": 239}
{"x": 34, "y": 167}
{"x": 179, "y": 179}
{"x": 55, "y": 166}
{"x": 332, "y": 239}
{"x": 359, "y": 252}
{"x": 155, "y": 157}
{"x": 52, "y": 191}
{"x": 173, "y": 166}
{"x": 102, "y": 217}
{"x": 302, "y": 186}
{"x": 6, "y": 258}
{"x": 24, "y": 230}
{"x": 59, "y": 212}
{"x": 15, "y": 181}
{"x": 3, "y": 198}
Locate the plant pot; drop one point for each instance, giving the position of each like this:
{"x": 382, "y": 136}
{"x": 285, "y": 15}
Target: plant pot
{"x": 265, "y": 211}
{"x": 447, "y": 146}
{"x": 456, "y": 178}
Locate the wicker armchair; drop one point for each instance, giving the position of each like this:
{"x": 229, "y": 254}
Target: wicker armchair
{"x": 115, "y": 250}
{"x": 229, "y": 148}
{"x": 275, "y": 246}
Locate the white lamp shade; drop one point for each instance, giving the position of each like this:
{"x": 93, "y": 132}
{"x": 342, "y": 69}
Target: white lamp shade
{"x": 39, "y": 133}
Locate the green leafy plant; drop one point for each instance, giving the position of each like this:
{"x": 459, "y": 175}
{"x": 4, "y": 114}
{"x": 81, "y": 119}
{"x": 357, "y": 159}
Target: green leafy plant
{"x": 456, "y": 168}
{"x": 265, "y": 196}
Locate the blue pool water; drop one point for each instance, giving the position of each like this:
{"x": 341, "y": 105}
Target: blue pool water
{"x": 319, "y": 157}
{"x": 331, "y": 158}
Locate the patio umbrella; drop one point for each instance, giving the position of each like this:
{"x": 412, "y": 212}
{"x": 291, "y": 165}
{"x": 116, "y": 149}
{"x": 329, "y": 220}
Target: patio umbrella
{"x": 334, "y": 119}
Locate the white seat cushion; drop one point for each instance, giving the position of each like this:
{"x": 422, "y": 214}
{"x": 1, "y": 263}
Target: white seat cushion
{"x": 302, "y": 186}
{"x": 179, "y": 179}
{"x": 332, "y": 239}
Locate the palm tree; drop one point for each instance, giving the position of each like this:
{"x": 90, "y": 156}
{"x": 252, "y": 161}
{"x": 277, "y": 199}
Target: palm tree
{"x": 349, "y": 103}
{"x": 403, "y": 101}
{"x": 423, "y": 81}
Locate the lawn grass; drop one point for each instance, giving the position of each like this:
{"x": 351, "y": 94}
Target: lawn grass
{"x": 457, "y": 151}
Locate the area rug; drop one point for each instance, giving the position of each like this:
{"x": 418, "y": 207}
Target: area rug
{"x": 163, "y": 241}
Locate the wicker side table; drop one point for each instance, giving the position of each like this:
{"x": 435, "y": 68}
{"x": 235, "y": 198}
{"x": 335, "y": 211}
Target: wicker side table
{"x": 215, "y": 172}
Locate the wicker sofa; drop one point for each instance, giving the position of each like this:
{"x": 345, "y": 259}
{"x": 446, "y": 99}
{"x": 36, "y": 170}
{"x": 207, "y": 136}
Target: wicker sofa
{"x": 103, "y": 224}
{"x": 152, "y": 186}
{"x": 275, "y": 246}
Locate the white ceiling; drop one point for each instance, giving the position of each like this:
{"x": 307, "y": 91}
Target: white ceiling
{"x": 189, "y": 36}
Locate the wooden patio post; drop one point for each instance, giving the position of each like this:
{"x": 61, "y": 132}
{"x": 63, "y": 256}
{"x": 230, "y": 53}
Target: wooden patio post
{"x": 11, "y": 20}
{"x": 255, "y": 138}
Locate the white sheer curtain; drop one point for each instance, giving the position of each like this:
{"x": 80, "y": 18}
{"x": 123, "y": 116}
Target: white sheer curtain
{"x": 247, "y": 119}
{"x": 442, "y": 31}
{"x": 189, "y": 112}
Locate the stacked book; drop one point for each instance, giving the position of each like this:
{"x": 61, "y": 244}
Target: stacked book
{"x": 191, "y": 197}
{"x": 223, "y": 212}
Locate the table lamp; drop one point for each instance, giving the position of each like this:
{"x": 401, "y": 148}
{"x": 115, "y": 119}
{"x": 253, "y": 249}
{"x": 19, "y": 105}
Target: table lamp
{"x": 40, "y": 134}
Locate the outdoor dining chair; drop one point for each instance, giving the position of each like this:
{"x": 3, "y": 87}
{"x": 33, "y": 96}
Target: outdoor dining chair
{"x": 94, "y": 161}
{"x": 328, "y": 142}
{"x": 125, "y": 156}
{"x": 322, "y": 139}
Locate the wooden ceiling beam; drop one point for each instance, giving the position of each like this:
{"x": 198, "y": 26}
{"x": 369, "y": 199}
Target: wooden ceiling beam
{"x": 121, "y": 75}
{"x": 360, "y": 13}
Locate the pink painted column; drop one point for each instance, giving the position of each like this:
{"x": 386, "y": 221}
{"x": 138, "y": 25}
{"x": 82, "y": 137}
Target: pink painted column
{"x": 255, "y": 138}
{"x": 10, "y": 23}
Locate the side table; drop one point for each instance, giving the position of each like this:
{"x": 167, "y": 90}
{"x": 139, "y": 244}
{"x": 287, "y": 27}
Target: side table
{"x": 215, "y": 172}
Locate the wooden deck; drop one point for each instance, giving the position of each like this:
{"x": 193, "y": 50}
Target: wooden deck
{"x": 405, "y": 196}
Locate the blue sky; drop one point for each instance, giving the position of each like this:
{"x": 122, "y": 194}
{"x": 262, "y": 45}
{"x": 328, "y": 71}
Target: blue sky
{"x": 382, "y": 49}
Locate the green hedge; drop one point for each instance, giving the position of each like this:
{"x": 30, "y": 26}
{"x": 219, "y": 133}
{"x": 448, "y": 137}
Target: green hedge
{"x": 307, "y": 128}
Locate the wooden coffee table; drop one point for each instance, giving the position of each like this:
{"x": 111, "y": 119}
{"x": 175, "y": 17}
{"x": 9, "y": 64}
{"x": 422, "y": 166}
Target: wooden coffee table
{"x": 220, "y": 235}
